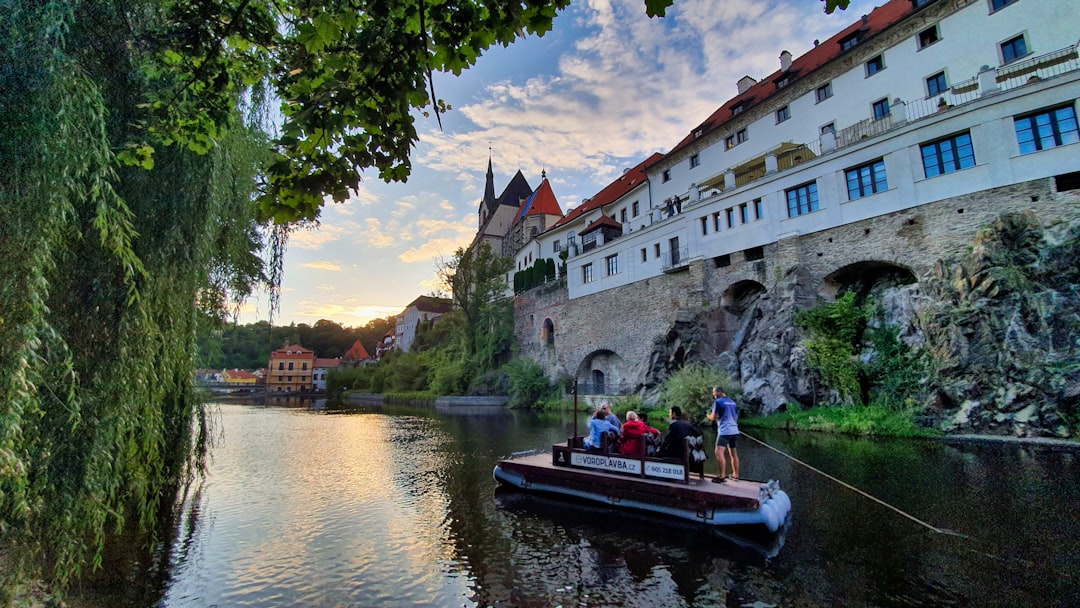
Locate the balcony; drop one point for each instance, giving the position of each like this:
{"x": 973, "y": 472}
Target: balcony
{"x": 675, "y": 260}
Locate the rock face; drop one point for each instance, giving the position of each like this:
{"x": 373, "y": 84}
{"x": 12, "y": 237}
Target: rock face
{"x": 999, "y": 326}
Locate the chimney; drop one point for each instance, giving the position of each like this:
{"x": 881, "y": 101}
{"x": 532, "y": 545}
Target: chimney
{"x": 745, "y": 83}
{"x": 785, "y": 61}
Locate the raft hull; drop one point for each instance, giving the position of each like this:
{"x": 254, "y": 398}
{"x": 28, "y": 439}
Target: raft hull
{"x": 733, "y": 503}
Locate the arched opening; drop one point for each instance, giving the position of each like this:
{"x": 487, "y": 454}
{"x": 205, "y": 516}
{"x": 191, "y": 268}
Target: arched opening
{"x": 548, "y": 332}
{"x": 865, "y": 278}
{"x": 598, "y": 387}
{"x": 602, "y": 372}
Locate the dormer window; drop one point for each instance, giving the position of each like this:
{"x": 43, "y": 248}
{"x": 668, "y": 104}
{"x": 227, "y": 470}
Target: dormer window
{"x": 738, "y": 108}
{"x": 849, "y": 42}
{"x": 783, "y": 82}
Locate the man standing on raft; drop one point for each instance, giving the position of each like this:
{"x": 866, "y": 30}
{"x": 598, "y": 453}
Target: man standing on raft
{"x": 723, "y": 410}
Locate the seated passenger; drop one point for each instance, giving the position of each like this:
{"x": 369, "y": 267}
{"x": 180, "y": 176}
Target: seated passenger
{"x": 674, "y": 445}
{"x": 612, "y": 418}
{"x": 597, "y": 427}
{"x": 632, "y": 439}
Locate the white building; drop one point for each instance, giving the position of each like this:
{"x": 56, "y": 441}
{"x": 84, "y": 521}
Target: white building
{"x": 916, "y": 102}
{"x": 425, "y": 309}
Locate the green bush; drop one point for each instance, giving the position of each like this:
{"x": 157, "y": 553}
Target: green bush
{"x": 528, "y": 383}
{"x": 690, "y": 388}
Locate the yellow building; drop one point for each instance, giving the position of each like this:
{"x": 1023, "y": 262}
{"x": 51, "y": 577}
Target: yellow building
{"x": 290, "y": 370}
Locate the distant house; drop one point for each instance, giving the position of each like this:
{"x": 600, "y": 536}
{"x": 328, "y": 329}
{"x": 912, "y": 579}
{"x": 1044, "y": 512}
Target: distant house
{"x": 386, "y": 344}
{"x": 208, "y": 376}
{"x": 291, "y": 368}
{"x": 321, "y": 369}
{"x": 356, "y": 356}
{"x": 425, "y": 309}
{"x": 239, "y": 377}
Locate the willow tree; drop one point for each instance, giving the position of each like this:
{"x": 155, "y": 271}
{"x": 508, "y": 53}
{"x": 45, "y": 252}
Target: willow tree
{"x": 141, "y": 177}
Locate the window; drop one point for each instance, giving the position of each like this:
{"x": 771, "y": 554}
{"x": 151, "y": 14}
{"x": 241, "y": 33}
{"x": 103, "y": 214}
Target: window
{"x": 304, "y": 366}
{"x": 704, "y": 226}
{"x": 739, "y": 107}
{"x": 936, "y": 85}
{"x": 829, "y": 128}
{"x": 612, "y": 264}
{"x": 622, "y": 215}
{"x": 281, "y": 365}
{"x": 758, "y": 211}
{"x": 290, "y": 365}
{"x": 849, "y": 42}
{"x": 1013, "y": 49}
{"x": 874, "y": 66}
{"x": 783, "y": 114}
{"x": 999, "y": 4}
{"x": 656, "y": 250}
{"x": 729, "y": 216}
{"x": 716, "y": 221}
{"x": 866, "y": 180}
{"x": 673, "y": 247}
{"x": 928, "y": 36}
{"x": 634, "y": 208}
{"x": 783, "y": 82}
{"x": 695, "y": 160}
{"x": 586, "y": 273}
{"x": 1046, "y": 129}
{"x": 823, "y": 92}
{"x": 744, "y": 213}
{"x": 736, "y": 139}
{"x": 644, "y": 255}
{"x": 665, "y": 176}
{"x": 881, "y": 108}
{"x": 802, "y": 199}
{"x": 556, "y": 247}
{"x": 948, "y": 155}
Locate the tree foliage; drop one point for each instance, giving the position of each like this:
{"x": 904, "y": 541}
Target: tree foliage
{"x": 142, "y": 173}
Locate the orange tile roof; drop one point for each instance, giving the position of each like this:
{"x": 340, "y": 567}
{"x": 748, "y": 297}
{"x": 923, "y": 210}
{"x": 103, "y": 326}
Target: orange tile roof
{"x": 603, "y": 220}
{"x": 326, "y": 362}
{"x": 357, "y": 352}
{"x": 613, "y": 191}
{"x": 878, "y": 20}
{"x": 542, "y": 202}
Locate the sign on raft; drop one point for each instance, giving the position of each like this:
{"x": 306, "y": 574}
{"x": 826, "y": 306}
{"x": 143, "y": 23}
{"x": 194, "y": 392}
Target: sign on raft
{"x": 632, "y": 466}
{"x": 607, "y": 463}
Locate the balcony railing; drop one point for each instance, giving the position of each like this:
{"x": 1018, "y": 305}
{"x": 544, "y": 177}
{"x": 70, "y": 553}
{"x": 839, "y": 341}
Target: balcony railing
{"x": 675, "y": 259}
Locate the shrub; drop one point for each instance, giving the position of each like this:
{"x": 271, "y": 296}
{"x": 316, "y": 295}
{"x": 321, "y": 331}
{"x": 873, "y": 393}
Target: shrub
{"x": 528, "y": 383}
{"x": 690, "y": 388}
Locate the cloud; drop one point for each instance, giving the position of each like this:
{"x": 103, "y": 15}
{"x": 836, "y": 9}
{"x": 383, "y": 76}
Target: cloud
{"x": 435, "y": 248}
{"x": 374, "y": 235}
{"x": 347, "y": 313}
{"x": 315, "y": 237}
{"x": 326, "y": 287}
{"x": 323, "y": 265}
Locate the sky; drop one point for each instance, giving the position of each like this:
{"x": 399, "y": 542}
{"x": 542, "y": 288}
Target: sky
{"x": 602, "y": 91}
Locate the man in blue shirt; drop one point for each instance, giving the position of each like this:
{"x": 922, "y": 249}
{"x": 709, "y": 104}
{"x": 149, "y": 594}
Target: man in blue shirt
{"x": 727, "y": 432}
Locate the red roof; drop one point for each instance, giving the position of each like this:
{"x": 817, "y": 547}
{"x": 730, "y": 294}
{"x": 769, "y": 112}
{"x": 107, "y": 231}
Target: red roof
{"x": 878, "y": 20}
{"x": 293, "y": 350}
{"x": 542, "y": 202}
{"x": 357, "y": 352}
{"x": 603, "y": 220}
{"x": 326, "y": 362}
{"x": 613, "y": 191}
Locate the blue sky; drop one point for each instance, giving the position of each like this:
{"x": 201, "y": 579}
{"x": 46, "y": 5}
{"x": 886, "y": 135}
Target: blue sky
{"x": 598, "y": 94}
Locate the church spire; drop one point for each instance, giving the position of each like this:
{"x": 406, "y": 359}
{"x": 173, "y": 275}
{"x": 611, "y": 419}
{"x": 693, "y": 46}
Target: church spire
{"x": 489, "y": 186}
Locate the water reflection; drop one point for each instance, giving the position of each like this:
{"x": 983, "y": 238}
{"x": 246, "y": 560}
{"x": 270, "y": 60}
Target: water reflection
{"x": 376, "y": 505}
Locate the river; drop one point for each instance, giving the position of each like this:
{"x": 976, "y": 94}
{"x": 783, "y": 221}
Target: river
{"x": 396, "y": 507}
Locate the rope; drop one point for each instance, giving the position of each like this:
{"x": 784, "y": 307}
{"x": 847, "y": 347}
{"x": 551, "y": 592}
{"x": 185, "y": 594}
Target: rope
{"x": 854, "y": 489}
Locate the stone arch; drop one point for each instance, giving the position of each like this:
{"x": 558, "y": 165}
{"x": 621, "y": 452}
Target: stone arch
{"x": 605, "y": 365}
{"x": 740, "y": 296}
{"x": 864, "y": 277}
{"x": 547, "y": 333}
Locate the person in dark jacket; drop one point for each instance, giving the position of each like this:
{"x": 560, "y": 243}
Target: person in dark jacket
{"x": 674, "y": 445}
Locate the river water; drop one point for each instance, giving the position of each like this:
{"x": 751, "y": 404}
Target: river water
{"x": 396, "y": 507}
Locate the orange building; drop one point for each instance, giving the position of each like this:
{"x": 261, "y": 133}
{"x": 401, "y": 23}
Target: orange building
{"x": 290, "y": 370}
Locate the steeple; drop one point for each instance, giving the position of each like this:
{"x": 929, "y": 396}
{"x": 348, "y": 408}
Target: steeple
{"x": 489, "y": 186}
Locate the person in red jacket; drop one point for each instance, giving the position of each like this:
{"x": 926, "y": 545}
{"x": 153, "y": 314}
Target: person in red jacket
{"x": 633, "y": 430}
